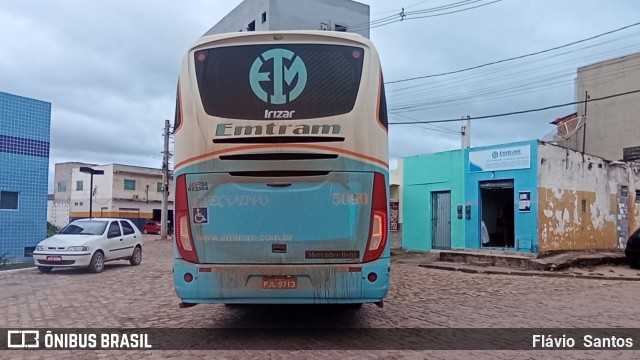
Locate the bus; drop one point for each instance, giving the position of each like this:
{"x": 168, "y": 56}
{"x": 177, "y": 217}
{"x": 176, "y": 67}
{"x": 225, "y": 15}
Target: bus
{"x": 281, "y": 171}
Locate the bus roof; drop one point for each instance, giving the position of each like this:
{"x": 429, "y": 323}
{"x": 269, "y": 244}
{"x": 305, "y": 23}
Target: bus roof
{"x": 318, "y": 33}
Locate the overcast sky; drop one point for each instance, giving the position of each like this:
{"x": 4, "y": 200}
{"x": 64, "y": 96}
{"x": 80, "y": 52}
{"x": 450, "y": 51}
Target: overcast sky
{"x": 109, "y": 68}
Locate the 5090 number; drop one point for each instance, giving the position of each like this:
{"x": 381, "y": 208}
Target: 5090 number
{"x": 350, "y": 198}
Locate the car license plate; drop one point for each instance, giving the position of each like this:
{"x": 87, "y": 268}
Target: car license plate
{"x": 279, "y": 282}
{"x": 54, "y": 258}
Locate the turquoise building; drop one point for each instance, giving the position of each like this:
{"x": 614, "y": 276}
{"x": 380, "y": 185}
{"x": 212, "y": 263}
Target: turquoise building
{"x": 475, "y": 198}
{"x": 24, "y": 170}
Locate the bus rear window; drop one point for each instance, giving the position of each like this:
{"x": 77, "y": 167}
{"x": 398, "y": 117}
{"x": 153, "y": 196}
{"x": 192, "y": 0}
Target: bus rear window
{"x": 294, "y": 81}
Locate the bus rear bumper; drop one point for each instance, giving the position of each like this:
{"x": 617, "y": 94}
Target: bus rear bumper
{"x": 314, "y": 283}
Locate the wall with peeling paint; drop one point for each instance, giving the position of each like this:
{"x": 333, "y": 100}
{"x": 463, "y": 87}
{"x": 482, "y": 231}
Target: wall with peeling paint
{"x": 583, "y": 201}
{"x": 423, "y": 175}
{"x": 524, "y": 179}
{"x": 633, "y": 170}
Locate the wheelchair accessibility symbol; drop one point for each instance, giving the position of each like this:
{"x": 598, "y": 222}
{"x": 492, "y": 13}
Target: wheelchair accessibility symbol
{"x": 200, "y": 215}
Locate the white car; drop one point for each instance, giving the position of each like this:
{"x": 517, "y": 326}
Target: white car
{"x": 89, "y": 243}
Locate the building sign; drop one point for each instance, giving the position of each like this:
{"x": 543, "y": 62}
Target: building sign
{"x": 506, "y": 158}
{"x": 394, "y": 208}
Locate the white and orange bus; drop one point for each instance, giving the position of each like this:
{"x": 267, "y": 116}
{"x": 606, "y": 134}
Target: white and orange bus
{"x": 281, "y": 170}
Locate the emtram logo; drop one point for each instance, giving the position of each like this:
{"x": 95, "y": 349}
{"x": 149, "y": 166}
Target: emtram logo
{"x": 280, "y": 75}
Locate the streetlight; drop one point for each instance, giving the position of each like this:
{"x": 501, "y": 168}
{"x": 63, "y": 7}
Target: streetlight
{"x": 88, "y": 170}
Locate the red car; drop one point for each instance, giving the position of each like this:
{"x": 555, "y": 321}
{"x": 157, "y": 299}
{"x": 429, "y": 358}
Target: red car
{"x": 151, "y": 227}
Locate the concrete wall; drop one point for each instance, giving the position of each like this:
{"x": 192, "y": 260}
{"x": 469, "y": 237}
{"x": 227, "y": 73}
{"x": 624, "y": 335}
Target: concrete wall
{"x": 611, "y": 124}
{"x": 423, "y": 175}
{"x": 524, "y": 179}
{"x": 585, "y": 202}
{"x": 295, "y": 15}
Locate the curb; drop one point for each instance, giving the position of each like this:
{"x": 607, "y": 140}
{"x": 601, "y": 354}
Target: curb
{"x": 16, "y": 270}
{"x": 523, "y": 273}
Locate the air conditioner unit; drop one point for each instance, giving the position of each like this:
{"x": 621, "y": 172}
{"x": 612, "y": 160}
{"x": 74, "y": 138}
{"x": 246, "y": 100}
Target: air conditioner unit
{"x": 135, "y": 197}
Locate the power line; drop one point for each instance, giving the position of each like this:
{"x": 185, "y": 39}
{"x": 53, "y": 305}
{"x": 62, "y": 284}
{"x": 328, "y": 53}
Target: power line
{"x": 521, "y": 111}
{"x": 404, "y": 16}
{"x": 514, "y": 58}
{"x": 435, "y": 128}
{"x": 503, "y": 90}
{"x": 512, "y": 66}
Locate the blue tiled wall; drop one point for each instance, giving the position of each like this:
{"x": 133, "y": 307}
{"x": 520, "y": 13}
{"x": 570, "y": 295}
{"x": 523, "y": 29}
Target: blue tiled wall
{"x": 24, "y": 163}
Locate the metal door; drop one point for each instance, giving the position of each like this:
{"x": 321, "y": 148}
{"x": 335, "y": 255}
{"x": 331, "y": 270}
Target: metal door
{"x": 441, "y": 219}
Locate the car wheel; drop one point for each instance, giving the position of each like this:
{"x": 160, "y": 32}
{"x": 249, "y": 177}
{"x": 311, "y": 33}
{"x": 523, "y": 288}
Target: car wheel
{"x": 97, "y": 262}
{"x": 136, "y": 258}
{"x": 45, "y": 269}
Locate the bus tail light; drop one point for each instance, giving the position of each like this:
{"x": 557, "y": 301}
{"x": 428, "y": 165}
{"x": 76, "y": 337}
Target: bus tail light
{"x": 378, "y": 228}
{"x": 183, "y": 229}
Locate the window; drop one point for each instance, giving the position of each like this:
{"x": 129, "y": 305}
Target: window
{"x": 126, "y": 228}
{"x": 62, "y": 187}
{"x": 79, "y": 185}
{"x": 251, "y": 26}
{"x": 114, "y": 230}
{"x": 333, "y": 74}
{"x": 129, "y": 184}
{"x": 8, "y": 200}
{"x": 264, "y": 17}
{"x": 159, "y": 187}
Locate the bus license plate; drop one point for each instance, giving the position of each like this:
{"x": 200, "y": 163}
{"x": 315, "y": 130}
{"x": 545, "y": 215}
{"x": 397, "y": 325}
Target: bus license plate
{"x": 54, "y": 258}
{"x": 279, "y": 282}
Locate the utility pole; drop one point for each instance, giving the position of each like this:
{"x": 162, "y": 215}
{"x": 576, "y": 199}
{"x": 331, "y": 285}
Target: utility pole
{"x": 466, "y": 133}
{"x": 165, "y": 183}
{"x": 584, "y": 126}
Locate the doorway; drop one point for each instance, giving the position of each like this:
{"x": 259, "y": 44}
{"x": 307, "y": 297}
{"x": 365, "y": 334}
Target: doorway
{"x": 496, "y": 204}
{"x": 441, "y": 220}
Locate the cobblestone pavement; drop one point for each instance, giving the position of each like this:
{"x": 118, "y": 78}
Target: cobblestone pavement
{"x": 126, "y": 296}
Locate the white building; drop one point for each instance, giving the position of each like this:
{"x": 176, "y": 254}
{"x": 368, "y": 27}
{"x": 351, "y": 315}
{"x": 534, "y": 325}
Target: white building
{"x": 270, "y": 15}
{"x": 58, "y": 207}
{"x": 608, "y": 126}
{"x": 124, "y": 191}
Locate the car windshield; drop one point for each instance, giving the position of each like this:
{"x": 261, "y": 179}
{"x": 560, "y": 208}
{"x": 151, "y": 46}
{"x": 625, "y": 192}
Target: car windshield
{"x": 85, "y": 228}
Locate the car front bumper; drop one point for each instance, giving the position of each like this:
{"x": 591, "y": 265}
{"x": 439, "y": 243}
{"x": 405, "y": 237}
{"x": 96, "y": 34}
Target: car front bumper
{"x": 62, "y": 259}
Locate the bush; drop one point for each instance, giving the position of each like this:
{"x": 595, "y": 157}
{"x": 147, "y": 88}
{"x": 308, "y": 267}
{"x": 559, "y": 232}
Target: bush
{"x": 4, "y": 258}
{"x": 51, "y": 229}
